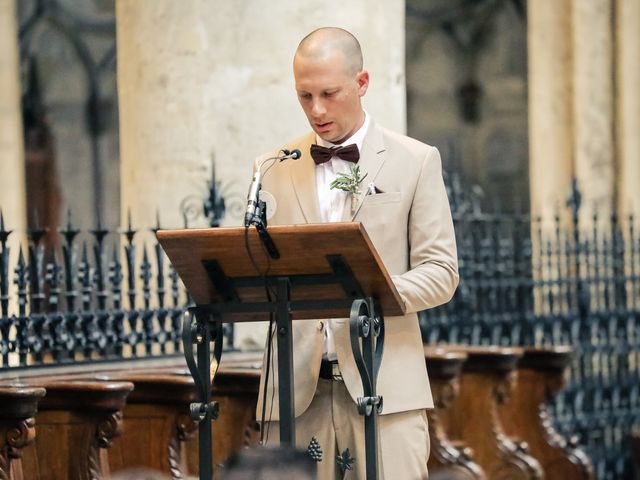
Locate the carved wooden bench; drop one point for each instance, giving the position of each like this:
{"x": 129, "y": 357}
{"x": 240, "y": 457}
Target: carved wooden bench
{"x": 487, "y": 379}
{"x": 18, "y": 407}
{"x": 75, "y": 425}
{"x": 525, "y": 416}
{"x": 448, "y": 460}
{"x": 158, "y": 430}
{"x": 84, "y": 412}
{"x": 156, "y": 422}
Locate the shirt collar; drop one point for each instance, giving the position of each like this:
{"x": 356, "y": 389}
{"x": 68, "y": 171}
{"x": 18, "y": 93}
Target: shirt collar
{"x": 357, "y": 137}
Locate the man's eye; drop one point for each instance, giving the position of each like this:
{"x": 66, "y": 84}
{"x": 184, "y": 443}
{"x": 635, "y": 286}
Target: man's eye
{"x": 305, "y": 96}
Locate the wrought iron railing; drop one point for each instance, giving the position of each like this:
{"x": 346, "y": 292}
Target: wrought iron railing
{"x": 92, "y": 298}
{"x": 571, "y": 281}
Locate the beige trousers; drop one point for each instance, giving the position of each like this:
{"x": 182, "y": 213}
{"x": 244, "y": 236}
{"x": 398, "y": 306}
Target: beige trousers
{"x": 332, "y": 417}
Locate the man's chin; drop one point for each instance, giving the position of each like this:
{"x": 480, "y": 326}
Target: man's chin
{"x": 326, "y": 136}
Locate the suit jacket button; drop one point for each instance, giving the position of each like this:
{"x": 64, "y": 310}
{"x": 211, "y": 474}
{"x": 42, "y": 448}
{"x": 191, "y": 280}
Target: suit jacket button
{"x": 320, "y": 326}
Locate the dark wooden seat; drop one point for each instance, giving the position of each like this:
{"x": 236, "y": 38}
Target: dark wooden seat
{"x": 447, "y": 460}
{"x": 18, "y": 407}
{"x": 156, "y": 422}
{"x": 148, "y": 427}
{"x": 75, "y": 425}
{"x": 158, "y": 431}
{"x": 487, "y": 379}
{"x": 525, "y": 416}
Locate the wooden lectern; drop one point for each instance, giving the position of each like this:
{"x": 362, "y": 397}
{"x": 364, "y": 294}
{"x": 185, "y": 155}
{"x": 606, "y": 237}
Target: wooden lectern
{"x": 324, "y": 271}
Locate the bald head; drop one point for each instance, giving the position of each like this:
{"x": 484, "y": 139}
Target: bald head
{"x": 327, "y": 41}
{"x": 330, "y": 82}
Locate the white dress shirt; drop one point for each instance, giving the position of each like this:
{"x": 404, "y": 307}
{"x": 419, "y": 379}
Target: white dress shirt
{"x": 333, "y": 202}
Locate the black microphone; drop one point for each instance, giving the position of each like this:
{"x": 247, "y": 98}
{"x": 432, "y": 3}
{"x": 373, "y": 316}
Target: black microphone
{"x": 252, "y": 197}
{"x": 254, "y": 189}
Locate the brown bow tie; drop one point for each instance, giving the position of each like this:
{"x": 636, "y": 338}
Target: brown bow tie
{"x": 321, "y": 154}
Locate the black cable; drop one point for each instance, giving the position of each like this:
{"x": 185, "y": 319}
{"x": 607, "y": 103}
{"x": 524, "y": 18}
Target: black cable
{"x": 273, "y": 390}
{"x": 269, "y": 358}
{"x": 265, "y": 438}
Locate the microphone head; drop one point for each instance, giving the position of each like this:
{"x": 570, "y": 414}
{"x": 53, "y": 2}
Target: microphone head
{"x": 296, "y": 154}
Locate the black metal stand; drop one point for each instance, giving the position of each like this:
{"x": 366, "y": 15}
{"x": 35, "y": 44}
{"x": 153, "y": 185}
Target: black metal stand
{"x": 200, "y": 328}
{"x": 203, "y": 325}
{"x": 285, "y": 364}
{"x": 367, "y": 344}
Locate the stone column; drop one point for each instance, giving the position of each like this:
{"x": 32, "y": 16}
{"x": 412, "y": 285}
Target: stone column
{"x": 199, "y": 79}
{"x": 593, "y": 104}
{"x": 550, "y": 114}
{"x": 12, "y": 170}
{"x": 628, "y": 105}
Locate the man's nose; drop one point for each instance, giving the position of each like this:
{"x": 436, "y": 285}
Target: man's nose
{"x": 317, "y": 108}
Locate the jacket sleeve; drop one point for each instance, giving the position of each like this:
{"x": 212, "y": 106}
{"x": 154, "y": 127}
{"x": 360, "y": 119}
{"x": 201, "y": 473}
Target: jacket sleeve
{"x": 432, "y": 277}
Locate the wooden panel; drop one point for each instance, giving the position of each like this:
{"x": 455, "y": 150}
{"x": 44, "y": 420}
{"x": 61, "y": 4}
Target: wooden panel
{"x": 303, "y": 250}
{"x": 75, "y": 426}
{"x": 488, "y": 376}
{"x": 18, "y": 406}
{"x": 448, "y": 460}
{"x": 158, "y": 431}
{"x": 525, "y": 416}
{"x": 156, "y": 422}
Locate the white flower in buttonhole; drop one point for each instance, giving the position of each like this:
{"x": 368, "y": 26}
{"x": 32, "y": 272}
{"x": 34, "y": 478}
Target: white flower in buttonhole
{"x": 350, "y": 182}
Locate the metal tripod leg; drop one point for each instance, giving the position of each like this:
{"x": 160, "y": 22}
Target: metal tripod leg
{"x": 366, "y": 325}
{"x": 285, "y": 364}
{"x": 200, "y": 328}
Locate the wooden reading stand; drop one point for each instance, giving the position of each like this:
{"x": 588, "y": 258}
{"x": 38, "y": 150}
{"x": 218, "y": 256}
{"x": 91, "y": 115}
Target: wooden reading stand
{"x": 323, "y": 271}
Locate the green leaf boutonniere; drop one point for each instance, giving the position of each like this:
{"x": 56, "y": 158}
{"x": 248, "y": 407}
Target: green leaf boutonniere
{"x": 350, "y": 182}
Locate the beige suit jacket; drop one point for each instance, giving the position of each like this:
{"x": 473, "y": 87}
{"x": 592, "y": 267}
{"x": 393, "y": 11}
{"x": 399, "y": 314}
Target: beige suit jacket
{"x": 410, "y": 225}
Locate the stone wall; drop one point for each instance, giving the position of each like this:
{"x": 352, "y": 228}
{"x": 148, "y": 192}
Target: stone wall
{"x": 12, "y": 178}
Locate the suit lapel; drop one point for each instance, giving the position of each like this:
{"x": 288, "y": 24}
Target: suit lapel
{"x": 303, "y": 177}
{"x": 371, "y": 159}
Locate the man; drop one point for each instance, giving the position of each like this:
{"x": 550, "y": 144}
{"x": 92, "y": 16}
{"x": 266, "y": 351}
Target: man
{"x": 404, "y": 208}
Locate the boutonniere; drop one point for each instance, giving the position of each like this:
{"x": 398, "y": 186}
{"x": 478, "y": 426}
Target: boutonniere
{"x": 350, "y": 182}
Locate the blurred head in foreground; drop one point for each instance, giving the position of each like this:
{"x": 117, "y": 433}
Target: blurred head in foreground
{"x": 139, "y": 474}
{"x": 266, "y": 463}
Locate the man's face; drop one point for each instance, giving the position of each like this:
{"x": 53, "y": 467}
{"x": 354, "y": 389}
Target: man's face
{"x": 330, "y": 95}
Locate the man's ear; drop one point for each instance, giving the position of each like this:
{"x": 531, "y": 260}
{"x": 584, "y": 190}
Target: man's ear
{"x": 363, "y": 82}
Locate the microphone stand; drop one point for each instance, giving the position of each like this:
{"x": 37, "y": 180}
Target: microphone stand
{"x": 256, "y": 213}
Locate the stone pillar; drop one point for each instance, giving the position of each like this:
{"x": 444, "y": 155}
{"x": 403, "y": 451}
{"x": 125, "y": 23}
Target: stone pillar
{"x": 550, "y": 114}
{"x": 13, "y": 199}
{"x": 200, "y": 79}
{"x": 628, "y": 105}
{"x": 594, "y": 150}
